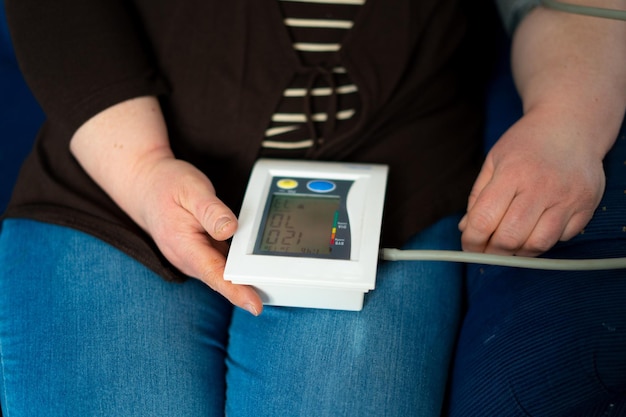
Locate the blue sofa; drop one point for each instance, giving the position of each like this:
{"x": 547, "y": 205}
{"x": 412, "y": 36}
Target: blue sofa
{"x": 20, "y": 115}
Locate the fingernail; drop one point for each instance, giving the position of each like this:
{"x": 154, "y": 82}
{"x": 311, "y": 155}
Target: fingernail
{"x": 251, "y": 309}
{"x": 221, "y": 224}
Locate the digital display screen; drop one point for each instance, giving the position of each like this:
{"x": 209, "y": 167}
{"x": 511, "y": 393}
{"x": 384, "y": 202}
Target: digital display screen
{"x": 300, "y": 224}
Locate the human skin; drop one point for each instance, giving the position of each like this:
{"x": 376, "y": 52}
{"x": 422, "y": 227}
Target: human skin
{"x": 543, "y": 179}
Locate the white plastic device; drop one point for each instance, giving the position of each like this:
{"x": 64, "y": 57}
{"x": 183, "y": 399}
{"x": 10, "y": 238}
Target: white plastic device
{"x": 309, "y": 233}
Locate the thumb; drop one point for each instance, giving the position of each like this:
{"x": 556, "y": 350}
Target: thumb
{"x": 213, "y": 215}
{"x": 217, "y": 219}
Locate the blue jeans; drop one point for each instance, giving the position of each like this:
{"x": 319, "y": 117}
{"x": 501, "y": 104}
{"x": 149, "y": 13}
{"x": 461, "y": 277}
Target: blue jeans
{"x": 86, "y": 330}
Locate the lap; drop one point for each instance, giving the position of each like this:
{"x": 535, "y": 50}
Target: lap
{"x": 93, "y": 332}
{"x": 86, "y": 330}
{"x": 389, "y": 359}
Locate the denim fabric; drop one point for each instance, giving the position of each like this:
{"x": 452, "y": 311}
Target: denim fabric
{"x": 391, "y": 359}
{"x": 87, "y": 331}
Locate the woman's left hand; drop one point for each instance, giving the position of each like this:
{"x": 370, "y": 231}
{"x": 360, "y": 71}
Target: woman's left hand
{"x": 539, "y": 184}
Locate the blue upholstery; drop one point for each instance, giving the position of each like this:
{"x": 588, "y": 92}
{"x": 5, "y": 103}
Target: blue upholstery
{"x": 20, "y": 115}
{"x": 504, "y": 106}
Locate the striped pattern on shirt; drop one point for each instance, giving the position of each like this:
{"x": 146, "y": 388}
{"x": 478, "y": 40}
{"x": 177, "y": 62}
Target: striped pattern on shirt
{"x": 317, "y": 29}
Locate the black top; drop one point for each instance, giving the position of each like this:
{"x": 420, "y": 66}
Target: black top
{"x": 220, "y": 69}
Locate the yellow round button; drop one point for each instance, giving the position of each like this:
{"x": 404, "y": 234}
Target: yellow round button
{"x": 287, "y": 184}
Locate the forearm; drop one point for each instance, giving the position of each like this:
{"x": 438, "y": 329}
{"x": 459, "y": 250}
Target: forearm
{"x": 118, "y": 145}
{"x": 543, "y": 179}
{"x": 125, "y": 149}
{"x": 573, "y": 66}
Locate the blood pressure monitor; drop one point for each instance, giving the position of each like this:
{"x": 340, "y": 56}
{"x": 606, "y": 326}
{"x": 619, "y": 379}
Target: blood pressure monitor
{"x": 309, "y": 233}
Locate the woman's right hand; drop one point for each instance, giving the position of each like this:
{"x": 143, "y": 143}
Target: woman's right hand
{"x": 125, "y": 149}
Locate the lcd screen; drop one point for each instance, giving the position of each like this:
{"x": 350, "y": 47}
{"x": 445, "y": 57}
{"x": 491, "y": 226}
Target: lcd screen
{"x": 300, "y": 224}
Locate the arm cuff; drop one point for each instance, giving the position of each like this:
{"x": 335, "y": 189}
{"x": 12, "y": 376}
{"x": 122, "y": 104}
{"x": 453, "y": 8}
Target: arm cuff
{"x": 513, "y": 11}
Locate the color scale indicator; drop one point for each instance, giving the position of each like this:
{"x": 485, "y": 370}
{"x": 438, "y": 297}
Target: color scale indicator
{"x": 333, "y": 234}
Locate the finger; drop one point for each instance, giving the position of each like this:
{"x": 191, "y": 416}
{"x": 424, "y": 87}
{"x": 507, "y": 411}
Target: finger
{"x": 485, "y": 215}
{"x": 546, "y": 233}
{"x": 242, "y": 296}
{"x": 190, "y": 249}
{"x": 555, "y": 224}
{"x": 204, "y": 259}
{"x": 576, "y": 224}
{"x": 516, "y": 226}
{"x": 215, "y": 217}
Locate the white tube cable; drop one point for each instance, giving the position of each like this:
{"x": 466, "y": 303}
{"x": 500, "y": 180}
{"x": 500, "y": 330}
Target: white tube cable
{"x": 504, "y": 260}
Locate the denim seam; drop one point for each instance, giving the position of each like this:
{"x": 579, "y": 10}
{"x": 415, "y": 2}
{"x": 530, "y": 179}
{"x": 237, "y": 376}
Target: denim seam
{"x": 3, "y": 397}
{"x": 3, "y": 394}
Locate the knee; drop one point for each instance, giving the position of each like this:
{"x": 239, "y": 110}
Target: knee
{"x": 541, "y": 346}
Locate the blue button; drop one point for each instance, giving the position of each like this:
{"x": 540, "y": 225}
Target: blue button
{"x": 321, "y": 186}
